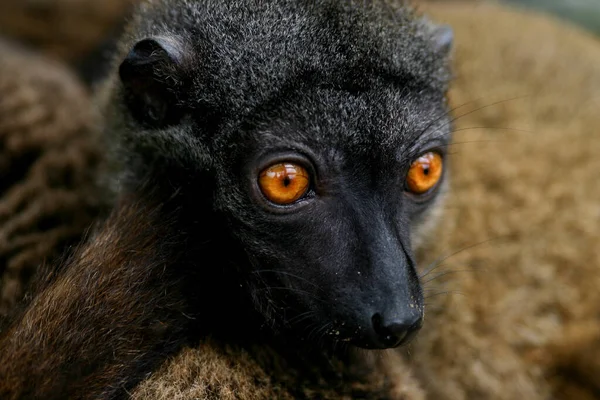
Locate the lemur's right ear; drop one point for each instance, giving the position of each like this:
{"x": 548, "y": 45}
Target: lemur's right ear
{"x": 152, "y": 76}
{"x": 443, "y": 37}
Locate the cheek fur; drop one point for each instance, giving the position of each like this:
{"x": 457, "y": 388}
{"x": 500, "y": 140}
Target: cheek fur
{"x": 423, "y": 227}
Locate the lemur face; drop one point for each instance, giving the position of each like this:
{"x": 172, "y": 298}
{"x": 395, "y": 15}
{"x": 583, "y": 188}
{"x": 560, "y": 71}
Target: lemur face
{"x": 325, "y": 139}
{"x": 325, "y": 193}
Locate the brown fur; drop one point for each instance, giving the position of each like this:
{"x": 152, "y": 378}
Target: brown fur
{"x": 211, "y": 371}
{"x": 110, "y": 311}
{"x": 47, "y": 163}
{"x": 65, "y": 29}
{"x": 526, "y": 321}
{"x": 533, "y": 185}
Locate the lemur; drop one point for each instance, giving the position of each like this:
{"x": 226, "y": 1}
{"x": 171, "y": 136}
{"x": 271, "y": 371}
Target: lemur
{"x": 273, "y": 167}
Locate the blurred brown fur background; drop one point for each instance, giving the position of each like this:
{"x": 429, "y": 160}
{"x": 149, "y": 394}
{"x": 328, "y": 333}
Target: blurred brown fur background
{"x": 66, "y": 29}
{"x": 47, "y": 165}
{"x": 514, "y": 317}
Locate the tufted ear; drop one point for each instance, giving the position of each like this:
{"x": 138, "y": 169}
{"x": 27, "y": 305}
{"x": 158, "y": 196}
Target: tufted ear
{"x": 152, "y": 77}
{"x": 443, "y": 37}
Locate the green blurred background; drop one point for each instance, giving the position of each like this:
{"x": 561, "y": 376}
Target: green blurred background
{"x": 583, "y": 12}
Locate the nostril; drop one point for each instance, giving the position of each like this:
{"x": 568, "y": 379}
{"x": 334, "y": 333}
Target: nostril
{"x": 388, "y": 337}
{"x": 378, "y": 323}
{"x": 395, "y": 332}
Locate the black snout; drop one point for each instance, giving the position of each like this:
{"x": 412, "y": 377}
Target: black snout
{"x": 393, "y": 332}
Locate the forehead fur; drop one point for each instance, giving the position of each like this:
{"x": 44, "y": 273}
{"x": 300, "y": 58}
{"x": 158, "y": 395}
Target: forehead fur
{"x": 244, "y": 52}
{"x": 363, "y": 75}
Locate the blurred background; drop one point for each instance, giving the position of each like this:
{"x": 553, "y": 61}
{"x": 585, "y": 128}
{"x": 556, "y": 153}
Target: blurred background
{"x": 80, "y": 31}
{"x": 583, "y": 12}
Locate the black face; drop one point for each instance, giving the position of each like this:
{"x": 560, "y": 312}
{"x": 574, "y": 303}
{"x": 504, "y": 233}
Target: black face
{"x": 325, "y": 210}
{"x": 325, "y": 139}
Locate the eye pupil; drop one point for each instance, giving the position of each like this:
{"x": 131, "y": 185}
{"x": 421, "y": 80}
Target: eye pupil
{"x": 284, "y": 183}
{"x": 424, "y": 173}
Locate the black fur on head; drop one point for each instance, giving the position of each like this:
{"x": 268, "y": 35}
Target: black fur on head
{"x": 211, "y": 93}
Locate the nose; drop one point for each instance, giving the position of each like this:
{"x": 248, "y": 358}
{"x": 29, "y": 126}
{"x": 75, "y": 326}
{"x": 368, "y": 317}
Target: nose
{"x": 393, "y": 332}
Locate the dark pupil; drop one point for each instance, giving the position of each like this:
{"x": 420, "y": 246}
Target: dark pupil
{"x": 286, "y": 181}
{"x": 425, "y": 170}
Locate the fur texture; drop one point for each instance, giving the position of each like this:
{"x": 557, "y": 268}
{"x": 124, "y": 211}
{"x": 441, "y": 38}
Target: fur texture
{"x": 69, "y": 30}
{"x": 213, "y": 371}
{"x": 77, "y": 338}
{"x": 527, "y": 181}
{"x": 527, "y": 322}
{"x": 356, "y": 88}
{"x": 48, "y": 160}
{"x": 516, "y": 316}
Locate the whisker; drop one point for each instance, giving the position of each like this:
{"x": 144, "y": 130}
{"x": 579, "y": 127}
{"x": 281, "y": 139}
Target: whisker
{"x": 286, "y": 273}
{"x": 418, "y": 138}
{"x": 437, "y": 263}
{"x": 321, "y": 333}
{"x": 313, "y": 332}
{"x": 486, "y": 106}
{"x": 497, "y": 128}
{"x": 446, "y": 114}
{"x": 430, "y": 309}
{"x": 475, "y": 141}
{"x": 453, "y": 120}
{"x": 446, "y": 292}
{"x": 301, "y": 317}
{"x": 268, "y": 288}
{"x": 441, "y": 274}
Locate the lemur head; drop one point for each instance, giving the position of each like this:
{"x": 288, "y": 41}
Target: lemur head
{"x": 322, "y": 128}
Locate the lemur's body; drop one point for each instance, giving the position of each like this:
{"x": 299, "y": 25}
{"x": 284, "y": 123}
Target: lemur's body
{"x": 275, "y": 166}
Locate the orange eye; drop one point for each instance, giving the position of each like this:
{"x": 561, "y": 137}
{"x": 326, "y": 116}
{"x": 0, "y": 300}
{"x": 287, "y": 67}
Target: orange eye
{"x": 284, "y": 183}
{"x": 424, "y": 173}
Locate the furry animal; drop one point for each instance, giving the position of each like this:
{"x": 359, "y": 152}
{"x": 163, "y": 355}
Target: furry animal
{"x": 91, "y": 354}
{"x": 301, "y": 146}
{"x": 525, "y": 323}
{"x": 236, "y": 133}
{"x": 513, "y": 312}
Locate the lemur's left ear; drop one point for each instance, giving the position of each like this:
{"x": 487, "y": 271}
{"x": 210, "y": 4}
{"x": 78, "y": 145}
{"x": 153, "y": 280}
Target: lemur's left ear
{"x": 443, "y": 37}
{"x": 151, "y": 74}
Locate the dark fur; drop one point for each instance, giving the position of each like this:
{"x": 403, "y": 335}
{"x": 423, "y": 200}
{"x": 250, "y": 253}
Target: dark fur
{"x": 350, "y": 90}
{"x": 213, "y": 92}
{"x": 100, "y": 321}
